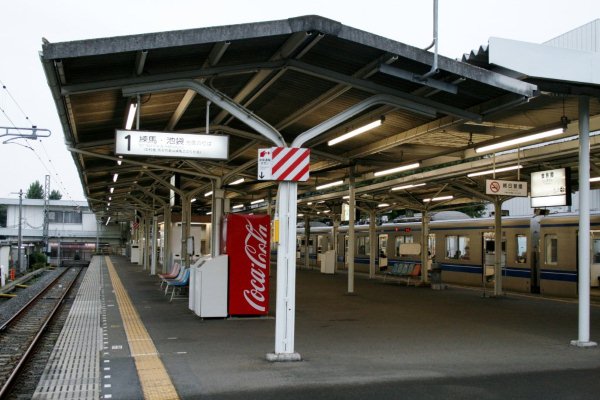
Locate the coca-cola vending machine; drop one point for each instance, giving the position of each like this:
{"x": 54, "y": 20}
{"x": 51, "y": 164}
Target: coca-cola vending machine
{"x": 246, "y": 241}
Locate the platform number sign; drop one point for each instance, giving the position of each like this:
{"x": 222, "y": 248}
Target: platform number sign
{"x": 171, "y": 144}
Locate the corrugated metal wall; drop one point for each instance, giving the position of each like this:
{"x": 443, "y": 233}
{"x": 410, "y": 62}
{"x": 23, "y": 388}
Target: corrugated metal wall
{"x": 586, "y": 37}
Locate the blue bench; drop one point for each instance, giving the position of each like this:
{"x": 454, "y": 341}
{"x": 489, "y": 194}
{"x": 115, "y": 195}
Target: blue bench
{"x": 404, "y": 270}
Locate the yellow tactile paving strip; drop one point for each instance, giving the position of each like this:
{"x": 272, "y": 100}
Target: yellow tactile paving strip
{"x": 154, "y": 379}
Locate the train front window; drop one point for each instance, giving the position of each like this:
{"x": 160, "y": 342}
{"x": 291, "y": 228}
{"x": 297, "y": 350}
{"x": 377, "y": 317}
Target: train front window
{"x": 521, "y": 249}
{"x": 551, "y": 249}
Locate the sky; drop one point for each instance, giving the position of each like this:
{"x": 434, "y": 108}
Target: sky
{"x": 25, "y": 98}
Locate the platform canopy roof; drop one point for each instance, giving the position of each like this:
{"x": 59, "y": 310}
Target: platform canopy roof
{"x": 292, "y": 76}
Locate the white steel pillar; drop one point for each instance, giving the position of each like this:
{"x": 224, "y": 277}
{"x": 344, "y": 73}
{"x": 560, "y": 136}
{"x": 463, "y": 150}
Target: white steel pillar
{"x": 154, "y": 253}
{"x": 307, "y": 242}
{"x": 374, "y": 242}
{"x": 498, "y": 247}
{"x": 166, "y": 244}
{"x": 285, "y": 312}
{"x": 425, "y": 246}
{"x": 583, "y": 339}
{"x": 350, "y": 252}
{"x": 217, "y": 217}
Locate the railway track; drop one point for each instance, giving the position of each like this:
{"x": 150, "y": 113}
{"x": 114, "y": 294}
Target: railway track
{"x": 20, "y": 333}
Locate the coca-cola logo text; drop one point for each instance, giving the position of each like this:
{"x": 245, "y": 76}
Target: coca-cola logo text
{"x": 256, "y": 249}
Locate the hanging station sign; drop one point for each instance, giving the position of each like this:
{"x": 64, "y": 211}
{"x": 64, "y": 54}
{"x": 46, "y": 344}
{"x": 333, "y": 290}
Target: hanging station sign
{"x": 505, "y": 188}
{"x": 171, "y": 144}
{"x": 551, "y": 188}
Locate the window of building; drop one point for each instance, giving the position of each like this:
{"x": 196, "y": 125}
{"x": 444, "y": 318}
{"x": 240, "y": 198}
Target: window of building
{"x": 64, "y": 217}
{"x": 521, "y": 249}
{"x": 551, "y": 249}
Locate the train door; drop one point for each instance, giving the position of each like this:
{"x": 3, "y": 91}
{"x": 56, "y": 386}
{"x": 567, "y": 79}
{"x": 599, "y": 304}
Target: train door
{"x": 383, "y": 252}
{"x": 489, "y": 255}
{"x": 595, "y": 260}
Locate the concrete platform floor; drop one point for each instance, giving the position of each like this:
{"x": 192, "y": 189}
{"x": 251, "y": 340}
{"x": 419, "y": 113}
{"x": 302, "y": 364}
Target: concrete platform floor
{"x": 386, "y": 341}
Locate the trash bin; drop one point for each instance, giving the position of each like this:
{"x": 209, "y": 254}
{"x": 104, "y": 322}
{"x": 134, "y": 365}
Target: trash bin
{"x": 436, "y": 277}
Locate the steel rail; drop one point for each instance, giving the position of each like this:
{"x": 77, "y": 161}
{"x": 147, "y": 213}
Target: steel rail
{"x": 7, "y": 385}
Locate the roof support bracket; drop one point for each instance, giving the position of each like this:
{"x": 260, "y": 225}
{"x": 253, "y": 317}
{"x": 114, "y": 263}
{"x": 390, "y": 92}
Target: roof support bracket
{"x": 409, "y": 76}
{"x": 220, "y": 99}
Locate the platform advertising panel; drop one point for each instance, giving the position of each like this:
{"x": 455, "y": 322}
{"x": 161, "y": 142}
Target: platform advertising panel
{"x": 247, "y": 243}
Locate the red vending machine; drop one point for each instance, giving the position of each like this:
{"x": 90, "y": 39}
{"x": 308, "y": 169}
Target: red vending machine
{"x": 246, "y": 240}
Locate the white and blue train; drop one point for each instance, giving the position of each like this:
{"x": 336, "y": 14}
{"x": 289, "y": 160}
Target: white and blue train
{"x": 539, "y": 253}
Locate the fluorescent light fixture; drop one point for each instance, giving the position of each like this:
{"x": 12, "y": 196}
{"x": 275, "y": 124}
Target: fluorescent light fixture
{"x": 497, "y": 170}
{"x": 108, "y": 204}
{"x": 115, "y": 177}
{"x": 330, "y": 184}
{"x": 326, "y": 211}
{"x": 595, "y": 179}
{"x": 109, "y": 198}
{"x": 355, "y": 132}
{"x": 398, "y": 169}
{"x": 208, "y": 194}
{"x": 193, "y": 200}
{"x": 119, "y": 161}
{"x": 408, "y": 186}
{"x": 300, "y": 215}
{"x": 441, "y": 198}
{"x": 257, "y": 201}
{"x": 238, "y": 206}
{"x": 107, "y": 220}
{"x": 131, "y": 115}
{"x": 309, "y": 203}
{"x": 209, "y": 213}
{"x": 112, "y": 189}
{"x": 383, "y": 205}
{"x": 520, "y": 140}
{"x": 345, "y": 197}
{"x": 237, "y": 182}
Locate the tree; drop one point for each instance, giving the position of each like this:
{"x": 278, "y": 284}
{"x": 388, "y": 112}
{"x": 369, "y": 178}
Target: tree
{"x": 55, "y": 195}
{"x": 35, "y": 191}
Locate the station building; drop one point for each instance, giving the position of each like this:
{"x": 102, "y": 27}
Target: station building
{"x": 73, "y": 231}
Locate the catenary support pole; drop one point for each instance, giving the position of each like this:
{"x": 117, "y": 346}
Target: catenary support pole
{"x": 583, "y": 339}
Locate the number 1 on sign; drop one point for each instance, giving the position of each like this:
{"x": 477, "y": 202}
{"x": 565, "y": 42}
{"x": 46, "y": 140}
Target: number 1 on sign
{"x": 128, "y": 137}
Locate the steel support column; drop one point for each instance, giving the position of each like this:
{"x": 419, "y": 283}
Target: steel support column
{"x": 583, "y": 338}
{"x": 286, "y": 275}
{"x": 351, "y": 222}
{"x": 373, "y": 242}
{"x": 498, "y": 248}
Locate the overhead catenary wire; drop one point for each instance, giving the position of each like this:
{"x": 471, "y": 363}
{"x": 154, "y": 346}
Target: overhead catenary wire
{"x": 54, "y": 175}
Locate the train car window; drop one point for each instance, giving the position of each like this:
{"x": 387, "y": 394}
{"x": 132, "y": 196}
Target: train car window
{"x": 521, "y": 249}
{"x": 457, "y": 247}
{"x": 400, "y": 240}
{"x": 551, "y": 249}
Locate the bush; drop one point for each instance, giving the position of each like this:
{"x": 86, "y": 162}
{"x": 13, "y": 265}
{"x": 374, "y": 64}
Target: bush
{"x": 37, "y": 260}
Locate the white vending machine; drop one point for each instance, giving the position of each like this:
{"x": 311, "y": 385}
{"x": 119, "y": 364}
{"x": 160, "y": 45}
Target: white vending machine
{"x": 208, "y": 288}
